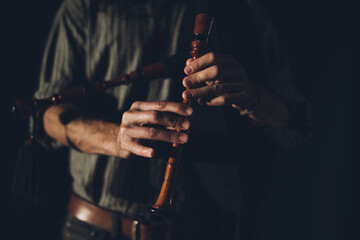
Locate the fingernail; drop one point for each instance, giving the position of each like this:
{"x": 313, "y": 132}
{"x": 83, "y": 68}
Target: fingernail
{"x": 189, "y": 110}
{"x": 188, "y": 69}
{"x": 185, "y": 124}
{"x": 150, "y": 152}
{"x": 183, "y": 138}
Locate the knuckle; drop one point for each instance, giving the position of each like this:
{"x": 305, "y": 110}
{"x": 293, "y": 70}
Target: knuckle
{"x": 135, "y": 104}
{"x": 153, "y": 132}
{"x": 198, "y": 76}
{"x": 161, "y": 105}
{"x": 125, "y": 117}
{"x": 155, "y": 116}
{"x": 174, "y": 122}
{"x": 196, "y": 65}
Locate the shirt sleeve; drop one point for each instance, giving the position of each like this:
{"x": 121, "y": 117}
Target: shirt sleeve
{"x": 64, "y": 60}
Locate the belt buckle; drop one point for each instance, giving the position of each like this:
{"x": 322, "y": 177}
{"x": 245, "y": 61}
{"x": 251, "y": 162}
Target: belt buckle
{"x": 135, "y": 230}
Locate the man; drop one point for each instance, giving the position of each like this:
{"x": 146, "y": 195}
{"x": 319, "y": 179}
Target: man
{"x": 120, "y": 141}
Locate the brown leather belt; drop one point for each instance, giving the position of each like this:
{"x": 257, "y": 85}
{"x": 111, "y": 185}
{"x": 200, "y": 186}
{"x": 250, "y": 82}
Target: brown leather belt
{"x": 101, "y": 218}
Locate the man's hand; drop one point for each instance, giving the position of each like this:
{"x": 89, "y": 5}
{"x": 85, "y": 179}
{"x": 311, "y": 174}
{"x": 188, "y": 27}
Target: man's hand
{"x": 145, "y": 120}
{"x": 218, "y": 80}
{"x": 155, "y": 121}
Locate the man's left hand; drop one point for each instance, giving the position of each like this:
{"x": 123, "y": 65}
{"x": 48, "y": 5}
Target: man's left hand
{"x": 218, "y": 80}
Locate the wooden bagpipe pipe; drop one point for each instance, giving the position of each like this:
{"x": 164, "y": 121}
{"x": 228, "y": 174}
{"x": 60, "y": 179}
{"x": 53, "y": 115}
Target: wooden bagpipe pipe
{"x": 162, "y": 69}
{"x": 27, "y": 179}
{"x": 164, "y": 206}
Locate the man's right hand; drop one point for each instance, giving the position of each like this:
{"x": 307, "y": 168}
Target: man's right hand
{"x": 155, "y": 121}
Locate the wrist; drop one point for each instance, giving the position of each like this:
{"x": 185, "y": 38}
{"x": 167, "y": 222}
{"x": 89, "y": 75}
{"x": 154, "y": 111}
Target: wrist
{"x": 106, "y": 139}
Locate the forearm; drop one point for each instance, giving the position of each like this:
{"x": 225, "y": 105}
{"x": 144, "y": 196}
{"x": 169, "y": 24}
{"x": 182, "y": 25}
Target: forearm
{"x": 86, "y": 134}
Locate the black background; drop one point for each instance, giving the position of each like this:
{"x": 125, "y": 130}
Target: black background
{"x": 316, "y": 190}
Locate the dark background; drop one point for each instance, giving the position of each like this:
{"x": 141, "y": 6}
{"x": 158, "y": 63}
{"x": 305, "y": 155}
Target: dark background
{"x": 316, "y": 190}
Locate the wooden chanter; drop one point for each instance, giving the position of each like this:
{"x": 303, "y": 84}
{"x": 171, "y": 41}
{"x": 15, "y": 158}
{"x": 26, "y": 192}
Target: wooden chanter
{"x": 164, "y": 206}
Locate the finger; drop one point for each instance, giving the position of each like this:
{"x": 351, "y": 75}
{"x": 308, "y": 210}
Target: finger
{"x": 136, "y": 148}
{"x": 208, "y": 60}
{"x": 153, "y": 133}
{"x": 174, "y": 107}
{"x": 155, "y": 117}
{"x": 225, "y": 72}
{"x": 204, "y": 100}
{"x": 242, "y": 100}
{"x": 216, "y": 89}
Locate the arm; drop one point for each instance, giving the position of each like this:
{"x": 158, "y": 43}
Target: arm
{"x": 86, "y": 134}
{"x": 64, "y": 66}
{"x": 144, "y": 120}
